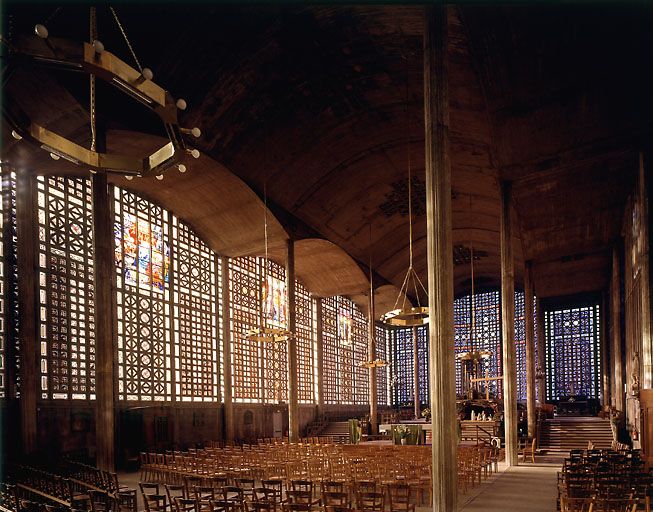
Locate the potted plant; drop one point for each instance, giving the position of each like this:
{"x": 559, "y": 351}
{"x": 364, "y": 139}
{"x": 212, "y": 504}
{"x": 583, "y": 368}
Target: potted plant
{"x": 402, "y": 433}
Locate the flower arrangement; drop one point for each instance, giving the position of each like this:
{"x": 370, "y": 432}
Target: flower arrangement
{"x": 403, "y": 431}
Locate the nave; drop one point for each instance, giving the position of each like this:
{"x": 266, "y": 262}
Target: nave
{"x": 252, "y": 250}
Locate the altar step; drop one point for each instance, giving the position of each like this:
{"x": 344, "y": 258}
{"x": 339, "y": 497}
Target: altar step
{"x": 574, "y": 433}
{"x": 338, "y": 430}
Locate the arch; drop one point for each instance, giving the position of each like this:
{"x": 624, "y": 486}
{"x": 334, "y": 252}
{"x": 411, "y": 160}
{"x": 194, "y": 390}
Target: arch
{"x": 222, "y": 209}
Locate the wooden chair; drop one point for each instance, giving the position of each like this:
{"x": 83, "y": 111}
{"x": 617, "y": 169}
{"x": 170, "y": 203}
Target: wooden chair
{"x": 333, "y": 499}
{"x": 297, "y": 507}
{"x": 99, "y": 501}
{"x": 223, "y": 506}
{"x": 528, "y": 450}
{"x": 186, "y": 505}
{"x": 301, "y": 497}
{"x": 155, "y": 502}
{"x": 400, "y": 498}
{"x": 371, "y": 501}
{"x": 234, "y": 495}
{"x": 125, "y": 501}
{"x": 276, "y": 486}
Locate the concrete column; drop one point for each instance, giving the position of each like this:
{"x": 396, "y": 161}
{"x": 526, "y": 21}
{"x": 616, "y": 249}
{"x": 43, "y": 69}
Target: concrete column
{"x": 508, "y": 326}
{"x": 371, "y": 356}
{"x": 319, "y": 349}
{"x": 605, "y": 353}
{"x": 618, "y": 392}
{"x": 440, "y": 259}
{"x": 416, "y": 397}
{"x": 529, "y": 322}
{"x": 104, "y": 272}
{"x": 229, "y": 427}
{"x": 293, "y": 407}
{"x": 646, "y": 370}
{"x": 27, "y": 313}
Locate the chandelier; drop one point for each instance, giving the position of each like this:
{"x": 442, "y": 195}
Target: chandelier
{"x": 403, "y": 314}
{"x": 376, "y": 363}
{"x": 263, "y": 332}
{"x": 94, "y": 60}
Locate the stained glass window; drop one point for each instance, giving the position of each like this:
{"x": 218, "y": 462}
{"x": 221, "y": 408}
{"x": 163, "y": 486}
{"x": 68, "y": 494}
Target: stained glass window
{"x": 520, "y": 345}
{"x": 196, "y": 300}
{"x": 9, "y": 361}
{"x": 304, "y": 333}
{"x": 382, "y": 372}
{"x": 66, "y": 293}
{"x": 360, "y": 341}
{"x": 401, "y": 340}
{"x": 345, "y": 340}
{"x": 572, "y": 352}
{"x": 245, "y": 289}
{"x": 423, "y": 368}
{"x": 487, "y": 333}
{"x": 275, "y": 355}
{"x": 142, "y": 256}
{"x": 461, "y": 328}
{"x": 330, "y": 350}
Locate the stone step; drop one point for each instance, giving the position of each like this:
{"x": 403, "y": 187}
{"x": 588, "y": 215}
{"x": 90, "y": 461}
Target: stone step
{"x": 575, "y": 433}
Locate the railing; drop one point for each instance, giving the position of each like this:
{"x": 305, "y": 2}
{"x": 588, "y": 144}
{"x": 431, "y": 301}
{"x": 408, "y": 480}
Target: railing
{"x": 490, "y": 435}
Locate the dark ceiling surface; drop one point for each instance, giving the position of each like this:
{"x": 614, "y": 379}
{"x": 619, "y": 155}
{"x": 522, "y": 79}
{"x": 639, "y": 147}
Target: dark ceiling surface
{"x": 322, "y": 106}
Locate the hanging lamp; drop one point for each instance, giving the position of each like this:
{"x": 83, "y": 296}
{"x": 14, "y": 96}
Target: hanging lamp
{"x": 402, "y": 314}
{"x": 263, "y": 332}
{"x": 93, "y": 59}
{"x": 375, "y": 363}
{"x": 473, "y": 356}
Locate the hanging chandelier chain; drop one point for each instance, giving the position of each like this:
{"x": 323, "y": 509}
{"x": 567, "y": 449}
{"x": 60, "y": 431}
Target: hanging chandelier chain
{"x": 471, "y": 257}
{"x": 92, "y": 92}
{"x": 124, "y": 35}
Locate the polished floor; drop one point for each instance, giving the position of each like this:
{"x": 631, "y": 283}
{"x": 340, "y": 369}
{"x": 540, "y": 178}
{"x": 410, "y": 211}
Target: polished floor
{"x": 528, "y": 487}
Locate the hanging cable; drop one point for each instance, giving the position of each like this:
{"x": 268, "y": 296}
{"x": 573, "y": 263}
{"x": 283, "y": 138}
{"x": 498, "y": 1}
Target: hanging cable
{"x": 92, "y": 37}
{"x": 124, "y": 36}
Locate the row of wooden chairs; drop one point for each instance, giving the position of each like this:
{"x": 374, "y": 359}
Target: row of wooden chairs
{"x": 100, "y": 492}
{"x": 611, "y": 480}
{"x": 271, "y": 497}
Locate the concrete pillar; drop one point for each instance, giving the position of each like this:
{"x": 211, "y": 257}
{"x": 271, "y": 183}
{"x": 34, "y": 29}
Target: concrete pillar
{"x": 371, "y": 356}
{"x": 646, "y": 369}
{"x": 508, "y": 326}
{"x": 440, "y": 258}
{"x": 229, "y": 427}
{"x": 293, "y": 407}
{"x": 605, "y": 353}
{"x": 104, "y": 272}
{"x": 27, "y": 313}
{"x": 619, "y": 395}
{"x": 529, "y": 322}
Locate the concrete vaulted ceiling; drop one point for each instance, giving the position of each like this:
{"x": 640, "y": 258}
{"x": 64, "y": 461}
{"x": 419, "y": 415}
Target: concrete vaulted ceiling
{"x": 322, "y": 107}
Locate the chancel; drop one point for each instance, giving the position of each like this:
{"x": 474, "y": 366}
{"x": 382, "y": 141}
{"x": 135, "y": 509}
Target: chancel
{"x": 301, "y": 257}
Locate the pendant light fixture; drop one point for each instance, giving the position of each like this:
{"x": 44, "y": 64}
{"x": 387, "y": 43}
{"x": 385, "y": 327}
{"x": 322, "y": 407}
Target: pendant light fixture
{"x": 403, "y": 314}
{"x": 263, "y": 332}
{"x": 373, "y": 363}
{"x": 472, "y": 357}
{"x": 93, "y": 59}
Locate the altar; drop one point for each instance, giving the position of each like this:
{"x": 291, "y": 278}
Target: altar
{"x": 418, "y": 431}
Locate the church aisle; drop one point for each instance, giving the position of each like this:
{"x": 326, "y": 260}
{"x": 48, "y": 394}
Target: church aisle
{"x": 528, "y": 487}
